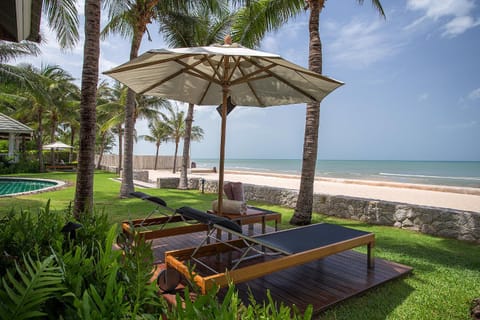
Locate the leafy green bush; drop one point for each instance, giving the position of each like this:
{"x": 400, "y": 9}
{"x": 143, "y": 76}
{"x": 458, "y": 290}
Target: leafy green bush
{"x": 46, "y": 273}
{"x": 97, "y": 282}
{"x": 26, "y": 233}
{"x": 7, "y": 166}
{"x": 208, "y": 306}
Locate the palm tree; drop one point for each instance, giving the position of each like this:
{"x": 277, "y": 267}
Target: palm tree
{"x": 254, "y": 21}
{"x": 159, "y": 132}
{"x": 62, "y": 19}
{"x": 175, "y": 122}
{"x": 86, "y": 154}
{"x": 130, "y": 19}
{"x": 189, "y": 29}
{"x": 44, "y": 96}
{"x": 62, "y": 93}
{"x": 303, "y": 210}
{"x": 12, "y": 50}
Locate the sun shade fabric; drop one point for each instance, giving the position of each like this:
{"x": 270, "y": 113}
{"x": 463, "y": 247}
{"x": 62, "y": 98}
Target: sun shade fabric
{"x": 255, "y": 78}
{"x": 210, "y": 219}
{"x": 309, "y": 237}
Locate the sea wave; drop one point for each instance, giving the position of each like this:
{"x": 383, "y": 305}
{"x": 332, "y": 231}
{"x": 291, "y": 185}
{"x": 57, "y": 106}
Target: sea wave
{"x": 426, "y": 176}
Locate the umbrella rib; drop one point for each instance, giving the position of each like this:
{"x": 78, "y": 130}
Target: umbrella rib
{"x": 250, "y": 86}
{"x": 145, "y": 64}
{"x": 306, "y": 71}
{"x": 215, "y": 69}
{"x": 197, "y": 72}
{"x": 187, "y": 69}
{"x": 306, "y": 94}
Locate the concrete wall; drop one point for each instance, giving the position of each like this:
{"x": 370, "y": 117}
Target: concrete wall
{"x": 141, "y": 162}
{"x": 449, "y": 223}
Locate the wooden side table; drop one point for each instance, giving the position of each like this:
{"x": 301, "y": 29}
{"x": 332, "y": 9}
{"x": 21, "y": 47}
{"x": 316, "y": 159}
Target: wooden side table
{"x": 252, "y": 216}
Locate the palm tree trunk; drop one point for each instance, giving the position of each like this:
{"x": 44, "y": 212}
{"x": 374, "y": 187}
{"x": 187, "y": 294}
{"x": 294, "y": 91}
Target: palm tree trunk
{"x": 102, "y": 149}
{"x": 186, "y": 148}
{"x": 175, "y": 157}
{"x": 52, "y": 140}
{"x": 303, "y": 210}
{"x": 86, "y": 159}
{"x": 72, "y": 140}
{"x": 127, "y": 186}
{"x": 39, "y": 142}
{"x": 120, "y": 148}
{"x": 156, "y": 156}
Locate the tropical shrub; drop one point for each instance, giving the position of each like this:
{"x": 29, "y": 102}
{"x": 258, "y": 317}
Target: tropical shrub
{"x": 47, "y": 273}
{"x": 92, "y": 280}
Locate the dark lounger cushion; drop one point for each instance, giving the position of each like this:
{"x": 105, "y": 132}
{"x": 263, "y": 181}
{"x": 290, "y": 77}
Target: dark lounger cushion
{"x": 145, "y": 196}
{"x": 208, "y": 218}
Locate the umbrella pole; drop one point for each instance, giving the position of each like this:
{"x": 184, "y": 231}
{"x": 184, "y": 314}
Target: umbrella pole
{"x": 225, "y": 89}
{"x": 222, "y": 153}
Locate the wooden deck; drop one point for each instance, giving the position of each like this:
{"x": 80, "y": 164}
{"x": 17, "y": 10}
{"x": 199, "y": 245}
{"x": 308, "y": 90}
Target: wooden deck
{"x": 321, "y": 283}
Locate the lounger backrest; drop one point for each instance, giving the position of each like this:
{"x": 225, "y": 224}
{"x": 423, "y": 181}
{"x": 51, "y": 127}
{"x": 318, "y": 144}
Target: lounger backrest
{"x": 208, "y": 218}
{"x": 145, "y": 196}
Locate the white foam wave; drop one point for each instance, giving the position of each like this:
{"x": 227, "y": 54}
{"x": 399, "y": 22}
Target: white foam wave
{"x": 425, "y": 176}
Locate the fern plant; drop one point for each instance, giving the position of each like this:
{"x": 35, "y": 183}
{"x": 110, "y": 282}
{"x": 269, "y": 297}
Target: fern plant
{"x": 23, "y": 294}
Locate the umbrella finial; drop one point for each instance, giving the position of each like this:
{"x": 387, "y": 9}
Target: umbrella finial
{"x": 228, "y": 39}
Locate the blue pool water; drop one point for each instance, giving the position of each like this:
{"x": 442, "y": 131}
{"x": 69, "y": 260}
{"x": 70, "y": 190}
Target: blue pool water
{"x": 14, "y": 186}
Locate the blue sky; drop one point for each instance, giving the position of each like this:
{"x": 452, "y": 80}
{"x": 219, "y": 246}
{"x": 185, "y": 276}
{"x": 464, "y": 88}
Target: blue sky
{"x": 412, "y": 86}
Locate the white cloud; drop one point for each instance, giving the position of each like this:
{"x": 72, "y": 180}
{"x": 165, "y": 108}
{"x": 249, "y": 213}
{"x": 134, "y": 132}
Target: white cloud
{"x": 458, "y": 15}
{"x": 475, "y": 94}
{"x": 360, "y": 43}
{"x": 459, "y": 25}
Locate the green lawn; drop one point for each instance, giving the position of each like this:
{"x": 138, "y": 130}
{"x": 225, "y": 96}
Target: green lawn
{"x": 445, "y": 279}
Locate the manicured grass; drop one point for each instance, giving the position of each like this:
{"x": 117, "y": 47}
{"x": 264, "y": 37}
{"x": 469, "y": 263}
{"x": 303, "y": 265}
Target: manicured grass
{"x": 445, "y": 279}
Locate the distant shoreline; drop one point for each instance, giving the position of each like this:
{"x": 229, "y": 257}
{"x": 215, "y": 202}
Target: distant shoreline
{"x": 440, "y": 188}
{"x": 458, "y": 198}
{"x": 444, "y": 173}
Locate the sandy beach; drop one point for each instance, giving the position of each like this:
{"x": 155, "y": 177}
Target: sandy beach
{"x": 466, "y": 199}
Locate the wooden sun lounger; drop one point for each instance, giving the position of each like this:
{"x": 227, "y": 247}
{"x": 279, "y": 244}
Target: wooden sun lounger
{"x": 290, "y": 247}
{"x": 294, "y": 247}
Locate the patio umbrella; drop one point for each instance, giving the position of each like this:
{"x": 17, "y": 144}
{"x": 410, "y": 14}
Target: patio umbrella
{"x": 210, "y": 75}
{"x": 56, "y": 146}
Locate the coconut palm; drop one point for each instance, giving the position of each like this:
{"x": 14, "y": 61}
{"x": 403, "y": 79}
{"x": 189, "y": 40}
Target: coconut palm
{"x": 174, "y": 120}
{"x": 86, "y": 153}
{"x": 130, "y": 19}
{"x": 159, "y": 133}
{"x": 189, "y": 29}
{"x": 46, "y": 95}
{"x": 266, "y": 15}
{"x": 62, "y": 19}
{"x": 12, "y": 50}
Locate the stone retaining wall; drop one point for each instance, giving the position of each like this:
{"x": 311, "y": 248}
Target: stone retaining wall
{"x": 449, "y": 223}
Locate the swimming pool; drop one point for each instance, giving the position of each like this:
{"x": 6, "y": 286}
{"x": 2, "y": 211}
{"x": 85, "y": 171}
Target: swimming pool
{"x": 20, "y": 186}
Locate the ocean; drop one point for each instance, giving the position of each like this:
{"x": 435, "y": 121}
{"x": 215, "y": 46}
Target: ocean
{"x": 450, "y": 173}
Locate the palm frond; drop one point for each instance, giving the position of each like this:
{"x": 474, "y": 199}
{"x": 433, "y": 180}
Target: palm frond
{"x": 259, "y": 17}
{"x": 11, "y": 50}
{"x": 63, "y": 18}
{"x": 24, "y": 292}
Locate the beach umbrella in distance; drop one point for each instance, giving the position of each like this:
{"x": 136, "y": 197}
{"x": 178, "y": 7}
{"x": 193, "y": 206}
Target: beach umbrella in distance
{"x": 56, "y": 146}
{"x": 211, "y": 75}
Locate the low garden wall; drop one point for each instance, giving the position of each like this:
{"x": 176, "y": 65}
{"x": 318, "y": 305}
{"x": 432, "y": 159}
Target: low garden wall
{"x": 449, "y": 223}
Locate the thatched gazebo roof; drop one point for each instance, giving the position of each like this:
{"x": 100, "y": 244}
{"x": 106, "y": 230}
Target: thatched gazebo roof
{"x": 9, "y": 126}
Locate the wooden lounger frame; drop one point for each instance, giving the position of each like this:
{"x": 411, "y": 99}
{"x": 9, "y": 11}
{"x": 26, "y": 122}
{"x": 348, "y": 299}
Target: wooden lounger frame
{"x": 175, "y": 259}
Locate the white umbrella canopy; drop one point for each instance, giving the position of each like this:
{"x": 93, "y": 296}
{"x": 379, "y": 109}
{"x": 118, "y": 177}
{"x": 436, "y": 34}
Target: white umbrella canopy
{"x": 56, "y": 146}
{"x": 209, "y": 75}
{"x": 198, "y": 75}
